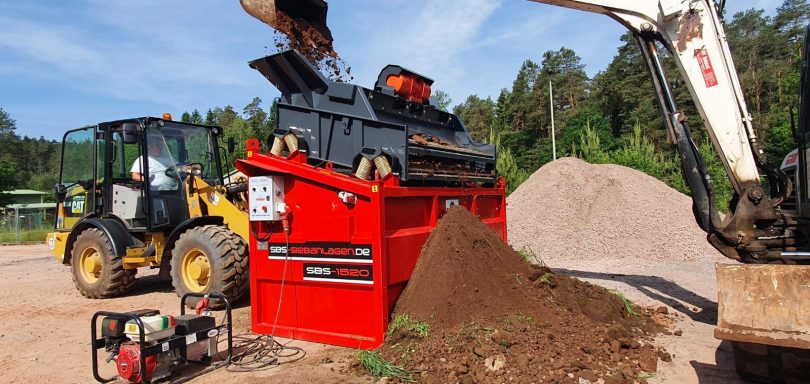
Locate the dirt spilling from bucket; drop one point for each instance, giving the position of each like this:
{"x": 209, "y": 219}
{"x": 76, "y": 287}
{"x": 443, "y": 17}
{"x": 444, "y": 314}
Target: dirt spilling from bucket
{"x": 493, "y": 317}
{"x": 298, "y": 34}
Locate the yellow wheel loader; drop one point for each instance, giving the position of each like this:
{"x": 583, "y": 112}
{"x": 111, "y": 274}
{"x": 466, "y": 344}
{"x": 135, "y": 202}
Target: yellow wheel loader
{"x": 149, "y": 193}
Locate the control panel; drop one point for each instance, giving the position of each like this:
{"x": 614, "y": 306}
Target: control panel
{"x": 266, "y": 198}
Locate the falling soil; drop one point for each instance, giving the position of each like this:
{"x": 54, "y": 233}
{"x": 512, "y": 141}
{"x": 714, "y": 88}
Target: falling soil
{"x": 298, "y": 34}
{"x": 496, "y": 318}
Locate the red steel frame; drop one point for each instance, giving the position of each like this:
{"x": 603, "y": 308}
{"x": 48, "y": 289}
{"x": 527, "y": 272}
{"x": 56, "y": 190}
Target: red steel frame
{"x": 394, "y": 220}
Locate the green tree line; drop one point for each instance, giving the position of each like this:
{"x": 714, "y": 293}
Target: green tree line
{"x": 25, "y": 162}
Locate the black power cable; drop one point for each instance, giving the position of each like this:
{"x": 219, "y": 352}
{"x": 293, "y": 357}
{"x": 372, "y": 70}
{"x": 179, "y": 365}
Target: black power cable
{"x": 261, "y": 352}
{"x": 256, "y": 235}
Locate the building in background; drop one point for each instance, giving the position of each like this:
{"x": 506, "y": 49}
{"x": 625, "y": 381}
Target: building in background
{"x": 27, "y": 218}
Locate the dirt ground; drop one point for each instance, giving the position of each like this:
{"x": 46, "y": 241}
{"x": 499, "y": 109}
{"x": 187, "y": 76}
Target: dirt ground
{"x": 44, "y": 335}
{"x": 45, "y": 331}
{"x": 689, "y": 291}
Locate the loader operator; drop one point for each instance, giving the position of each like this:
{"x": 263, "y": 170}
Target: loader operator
{"x": 159, "y": 161}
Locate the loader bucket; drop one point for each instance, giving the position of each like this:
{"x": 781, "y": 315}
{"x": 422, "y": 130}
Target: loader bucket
{"x": 272, "y": 12}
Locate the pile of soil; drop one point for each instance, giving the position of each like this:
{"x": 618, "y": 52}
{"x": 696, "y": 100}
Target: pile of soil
{"x": 496, "y": 318}
{"x": 318, "y": 49}
{"x": 572, "y": 210}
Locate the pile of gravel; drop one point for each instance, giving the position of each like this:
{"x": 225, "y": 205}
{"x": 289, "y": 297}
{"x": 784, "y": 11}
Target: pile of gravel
{"x": 572, "y": 210}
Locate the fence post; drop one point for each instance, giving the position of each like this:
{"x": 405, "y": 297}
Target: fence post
{"x": 17, "y": 217}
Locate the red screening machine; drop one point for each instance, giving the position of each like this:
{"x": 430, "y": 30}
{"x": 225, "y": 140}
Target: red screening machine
{"x": 342, "y": 202}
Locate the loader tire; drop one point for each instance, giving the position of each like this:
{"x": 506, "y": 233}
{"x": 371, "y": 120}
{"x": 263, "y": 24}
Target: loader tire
{"x": 210, "y": 258}
{"x": 98, "y": 272}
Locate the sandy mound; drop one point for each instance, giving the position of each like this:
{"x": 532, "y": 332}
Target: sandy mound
{"x": 573, "y": 210}
{"x": 494, "y": 317}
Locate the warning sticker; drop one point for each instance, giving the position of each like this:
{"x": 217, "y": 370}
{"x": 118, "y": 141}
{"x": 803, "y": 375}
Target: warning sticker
{"x": 706, "y": 68}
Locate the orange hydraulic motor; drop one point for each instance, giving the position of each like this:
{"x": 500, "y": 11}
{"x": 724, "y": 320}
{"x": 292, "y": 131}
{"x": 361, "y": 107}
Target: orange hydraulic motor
{"x": 410, "y": 87}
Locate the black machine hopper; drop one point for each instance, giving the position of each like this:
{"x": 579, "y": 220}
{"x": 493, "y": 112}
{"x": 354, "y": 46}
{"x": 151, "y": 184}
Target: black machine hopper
{"x": 343, "y": 123}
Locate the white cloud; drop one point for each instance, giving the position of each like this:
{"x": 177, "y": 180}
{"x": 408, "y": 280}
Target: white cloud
{"x": 129, "y": 51}
{"x": 523, "y": 32}
{"x": 54, "y": 45}
{"x": 430, "y": 39}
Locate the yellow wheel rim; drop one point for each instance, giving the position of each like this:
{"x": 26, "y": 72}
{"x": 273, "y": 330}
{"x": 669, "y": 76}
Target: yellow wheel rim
{"x": 196, "y": 270}
{"x": 90, "y": 265}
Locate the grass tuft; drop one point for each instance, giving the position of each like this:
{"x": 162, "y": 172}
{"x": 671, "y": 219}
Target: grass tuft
{"x": 526, "y": 254}
{"x": 408, "y": 325}
{"x": 546, "y": 278}
{"x": 379, "y": 367}
{"x": 645, "y": 375}
{"x": 628, "y": 305}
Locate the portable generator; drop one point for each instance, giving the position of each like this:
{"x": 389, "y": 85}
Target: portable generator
{"x": 344, "y": 195}
{"x": 147, "y": 346}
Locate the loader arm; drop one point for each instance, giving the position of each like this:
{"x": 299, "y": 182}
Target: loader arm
{"x": 755, "y": 230}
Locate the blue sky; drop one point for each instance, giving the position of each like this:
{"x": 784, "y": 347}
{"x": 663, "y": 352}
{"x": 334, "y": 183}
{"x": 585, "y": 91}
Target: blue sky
{"x": 65, "y": 64}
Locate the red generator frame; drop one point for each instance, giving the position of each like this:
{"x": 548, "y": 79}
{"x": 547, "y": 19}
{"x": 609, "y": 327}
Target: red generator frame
{"x": 350, "y": 250}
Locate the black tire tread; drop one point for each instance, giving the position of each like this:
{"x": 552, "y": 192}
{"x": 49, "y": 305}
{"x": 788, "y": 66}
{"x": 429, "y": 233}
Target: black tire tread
{"x": 232, "y": 260}
{"x": 118, "y": 282}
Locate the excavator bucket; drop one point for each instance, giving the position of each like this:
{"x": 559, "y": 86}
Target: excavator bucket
{"x": 274, "y": 12}
{"x": 764, "y": 304}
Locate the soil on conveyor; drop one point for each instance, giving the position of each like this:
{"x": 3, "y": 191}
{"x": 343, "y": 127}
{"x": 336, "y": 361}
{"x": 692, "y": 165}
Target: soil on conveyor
{"x": 298, "y": 34}
{"x": 495, "y": 318}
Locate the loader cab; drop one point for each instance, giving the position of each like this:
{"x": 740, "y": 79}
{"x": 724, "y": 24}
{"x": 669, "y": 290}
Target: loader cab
{"x": 135, "y": 171}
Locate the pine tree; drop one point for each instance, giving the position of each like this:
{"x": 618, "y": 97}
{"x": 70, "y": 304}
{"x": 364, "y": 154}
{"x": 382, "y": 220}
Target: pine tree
{"x": 443, "y": 100}
{"x": 8, "y": 165}
{"x": 211, "y": 118}
{"x": 227, "y": 117}
{"x": 195, "y": 117}
{"x": 478, "y": 116}
{"x": 256, "y": 119}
